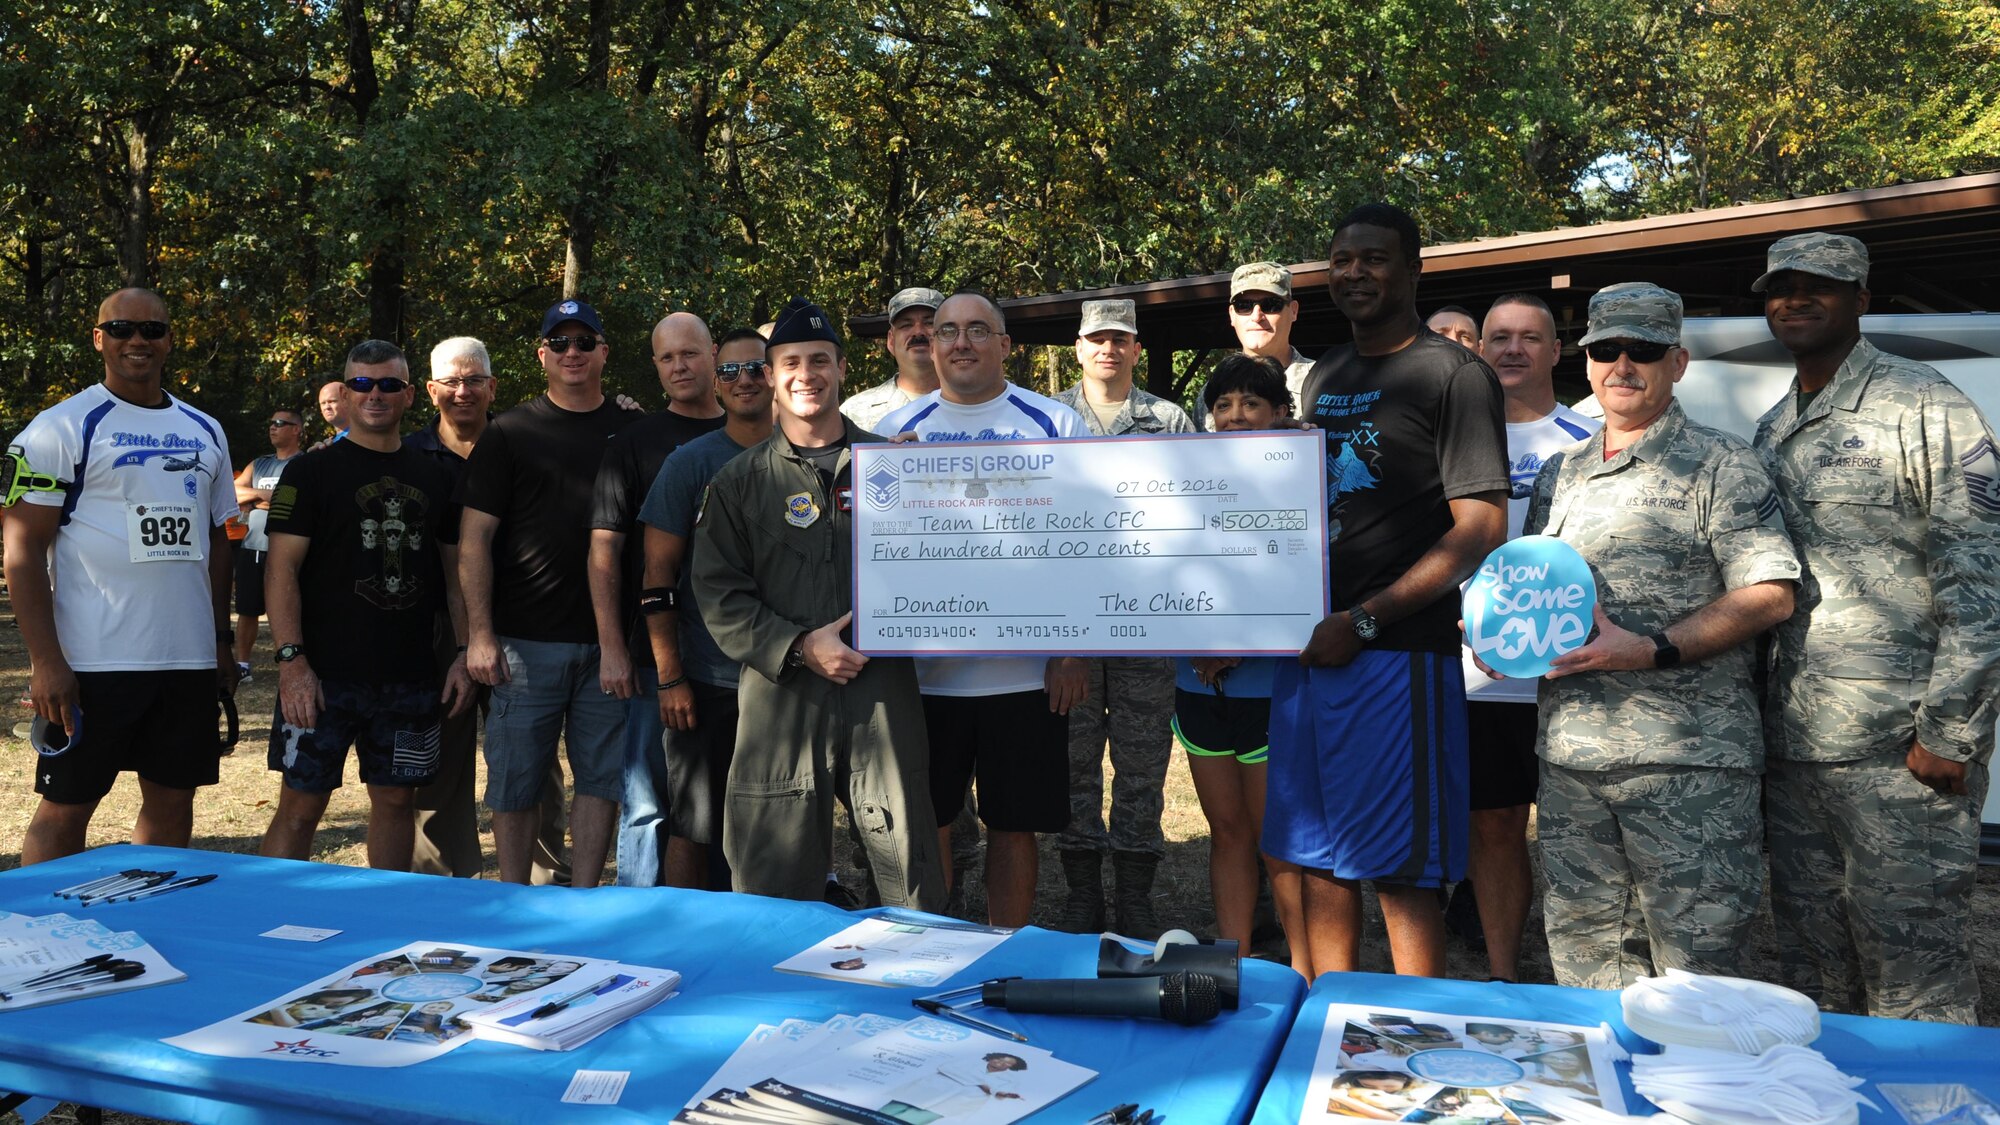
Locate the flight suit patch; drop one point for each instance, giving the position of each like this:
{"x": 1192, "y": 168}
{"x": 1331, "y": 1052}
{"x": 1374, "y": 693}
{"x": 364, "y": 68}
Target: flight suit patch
{"x": 800, "y": 511}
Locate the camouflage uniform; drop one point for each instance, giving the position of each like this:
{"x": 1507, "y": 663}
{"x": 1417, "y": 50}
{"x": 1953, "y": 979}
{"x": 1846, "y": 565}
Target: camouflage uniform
{"x": 1649, "y": 799}
{"x": 1131, "y": 698}
{"x": 1891, "y": 488}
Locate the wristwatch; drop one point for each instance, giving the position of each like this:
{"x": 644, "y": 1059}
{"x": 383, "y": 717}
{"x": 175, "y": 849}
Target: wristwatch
{"x": 795, "y": 657}
{"x": 289, "y": 653}
{"x": 1365, "y": 625}
{"x": 1666, "y": 653}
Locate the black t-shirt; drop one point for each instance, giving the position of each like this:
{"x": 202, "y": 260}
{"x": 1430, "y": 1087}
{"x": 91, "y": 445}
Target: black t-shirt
{"x": 534, "y": 469}
{"x": 1405, "y": 434}
{"x": 823, "y": 458}
{"x": 630, "y": 463}
{"x": 373, "y": 580}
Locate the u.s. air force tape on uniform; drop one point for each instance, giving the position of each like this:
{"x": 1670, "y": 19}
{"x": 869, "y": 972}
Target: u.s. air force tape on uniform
{"x": 1196, "y": 543}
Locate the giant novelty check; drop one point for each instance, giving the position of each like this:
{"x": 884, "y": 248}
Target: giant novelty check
{"x": 1187, "y": 543}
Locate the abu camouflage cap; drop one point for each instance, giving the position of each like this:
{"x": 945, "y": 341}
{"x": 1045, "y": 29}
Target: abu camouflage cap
{"x": 1109, "y": 316}
{"x": 1838, "y": 256}
{"x": 915, "y": 297}
{"x": 1634, "y": 310}
{"x": 1261, "y": 277}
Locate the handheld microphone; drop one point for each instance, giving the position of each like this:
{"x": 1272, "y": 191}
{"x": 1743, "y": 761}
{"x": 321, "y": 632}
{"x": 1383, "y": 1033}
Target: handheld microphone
{"x": 1183, "y": 998}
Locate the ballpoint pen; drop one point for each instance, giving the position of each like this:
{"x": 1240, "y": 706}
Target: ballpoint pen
{"x": 554, "y": 1006}
{"x": 163, "y": 888}
{"x": 1116, "y": 1115}
{"x": 946, "y": 1011}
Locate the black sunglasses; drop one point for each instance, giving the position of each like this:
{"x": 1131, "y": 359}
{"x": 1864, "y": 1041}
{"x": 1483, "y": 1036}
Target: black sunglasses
{"x": 123, "y": 329}
{"x": 1244, "y": 306}
{"x": 388, "y": 385}
{"x": 730, "y": 372}
{"x": 280, "y": 423}
{"x": 1641, "y": 351}
{"x": 561, "y": 344}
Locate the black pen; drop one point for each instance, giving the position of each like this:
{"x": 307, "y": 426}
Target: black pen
{"x": 163, "y": 888}
{"x": 1115, "y": 1115}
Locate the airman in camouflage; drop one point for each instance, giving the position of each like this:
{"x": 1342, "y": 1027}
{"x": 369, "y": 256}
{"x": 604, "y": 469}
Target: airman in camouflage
{"x": 1650, "y": 739}
{"x": 1131, "y": 698}
{"x": 1880, "y": 720}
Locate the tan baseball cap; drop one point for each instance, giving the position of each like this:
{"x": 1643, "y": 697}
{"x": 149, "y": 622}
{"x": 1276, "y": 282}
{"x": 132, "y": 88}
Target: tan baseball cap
{"x": 1109, "y": 316}
{"x": 1261, "y": 277}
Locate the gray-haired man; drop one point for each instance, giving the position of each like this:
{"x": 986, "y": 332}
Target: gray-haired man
{"x": 1649, "y": 734}
{"x": 1880, "y": 718}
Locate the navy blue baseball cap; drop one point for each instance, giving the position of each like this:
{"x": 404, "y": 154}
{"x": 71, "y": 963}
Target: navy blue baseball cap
{"x": 800, "y": 321}
{"x": 571, "y": 310}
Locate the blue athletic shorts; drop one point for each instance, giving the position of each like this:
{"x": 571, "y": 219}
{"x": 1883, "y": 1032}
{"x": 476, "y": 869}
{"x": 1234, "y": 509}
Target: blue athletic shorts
{"x": 1368, "y": 774}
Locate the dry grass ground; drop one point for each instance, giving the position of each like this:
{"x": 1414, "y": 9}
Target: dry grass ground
{"x": 232, "y": 815}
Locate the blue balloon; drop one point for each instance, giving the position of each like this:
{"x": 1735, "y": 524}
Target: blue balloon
{"x": 1528, "y": 603}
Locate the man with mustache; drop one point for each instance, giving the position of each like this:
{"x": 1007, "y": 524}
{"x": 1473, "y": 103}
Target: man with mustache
{"x": 1261, "y": 312}
{"x": 1880, "y": 716}
{"x": 914, "y": 349}
{"x": 1649, "y": 733}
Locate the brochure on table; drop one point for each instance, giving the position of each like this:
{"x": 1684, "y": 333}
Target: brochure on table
{"x": 33, "y": 945}
{"x": 1387, "y": 1065}
{"x": 918, "y": 1072}
{"x": 394, "y": 1009}
{"x": 897, "y": 950}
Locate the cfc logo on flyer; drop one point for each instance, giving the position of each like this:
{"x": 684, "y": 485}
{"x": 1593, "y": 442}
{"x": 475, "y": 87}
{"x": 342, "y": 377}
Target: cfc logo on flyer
{"x": 301, "y": 1049}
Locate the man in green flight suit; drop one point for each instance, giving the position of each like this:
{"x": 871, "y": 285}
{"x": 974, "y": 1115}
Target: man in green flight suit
{"x": 772, "y": 569}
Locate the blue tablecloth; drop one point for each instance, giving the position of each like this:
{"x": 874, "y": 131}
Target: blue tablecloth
{"x": 105, "y": 1051}
{"x": 1877, "y": 1050}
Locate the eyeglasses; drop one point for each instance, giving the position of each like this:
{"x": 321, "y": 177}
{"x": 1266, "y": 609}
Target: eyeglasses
{"x": 973, "y": 333}
{"x": 1272, "y": 306}
{"x": 452, "y": 385}
{"x": 561, "y": 344}
{"x": 123, "y": 329}
{"x": 1641, "y": 351}
{"x": 730, "y": 372}
{"x": 389, "y": 385}
{"x": 281, "y": 423}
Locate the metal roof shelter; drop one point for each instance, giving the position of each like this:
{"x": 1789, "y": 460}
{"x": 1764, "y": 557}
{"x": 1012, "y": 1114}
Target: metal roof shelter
{"x": 1935, "y": 247}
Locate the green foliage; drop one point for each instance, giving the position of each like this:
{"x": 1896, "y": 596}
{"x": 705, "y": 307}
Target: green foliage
{"x": 295, "y": 177}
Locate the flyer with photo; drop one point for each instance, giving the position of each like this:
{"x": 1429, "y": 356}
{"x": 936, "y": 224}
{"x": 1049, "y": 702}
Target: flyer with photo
{"x": 394, "y": 1009}
{"x": 1385, "y": 1065}
{"x": 919, "y": 1072}
{"x": 897, "y": 950}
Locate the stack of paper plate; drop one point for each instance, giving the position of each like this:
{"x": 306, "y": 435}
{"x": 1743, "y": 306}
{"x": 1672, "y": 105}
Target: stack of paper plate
{"x": 1719, "y": 1013}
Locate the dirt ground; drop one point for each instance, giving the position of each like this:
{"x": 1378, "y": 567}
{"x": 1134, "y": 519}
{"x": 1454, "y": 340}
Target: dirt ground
{"x": 232, "y": 816}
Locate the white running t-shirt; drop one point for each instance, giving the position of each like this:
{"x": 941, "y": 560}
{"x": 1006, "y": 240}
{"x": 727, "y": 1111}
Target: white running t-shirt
{"x": 1528, "y": 445}
{"x": 129, "y": 559}
{"x": 1015, "y": 413}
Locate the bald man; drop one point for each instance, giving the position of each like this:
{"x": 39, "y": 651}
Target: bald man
{"x": 333, "y": 407}
{"x": 135, "y": 490}
{"x": 684, "y": 356}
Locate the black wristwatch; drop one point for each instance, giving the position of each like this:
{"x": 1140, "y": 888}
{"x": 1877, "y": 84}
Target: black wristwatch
{"x": 289, "y": 653}
{"x": 1365, "y": 625}
{"x": 1666, "y": 653}
{"x": 795, "y": 657}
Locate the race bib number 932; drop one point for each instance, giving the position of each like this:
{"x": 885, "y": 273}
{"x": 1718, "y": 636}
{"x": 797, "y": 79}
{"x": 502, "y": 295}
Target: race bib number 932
{"x": 163, "y": 533}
